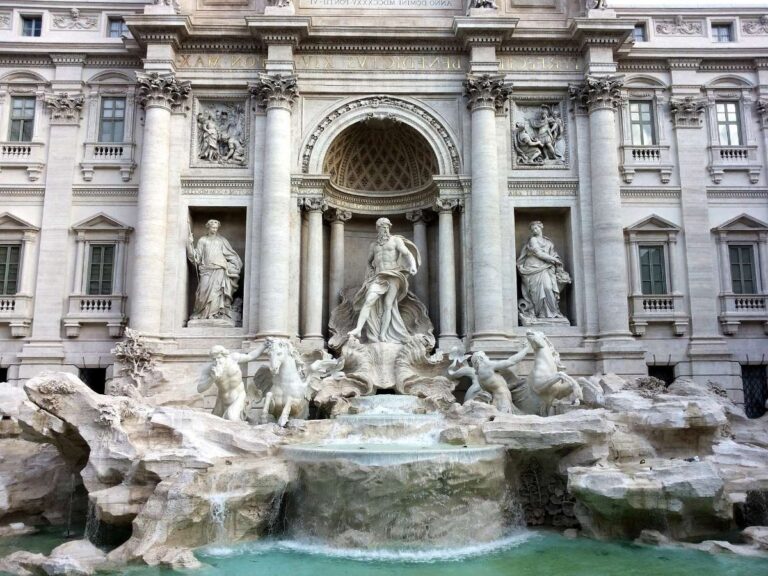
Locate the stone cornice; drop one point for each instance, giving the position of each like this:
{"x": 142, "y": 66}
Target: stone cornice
{"x": 161, "y": 90}
{"x": 486, "y": 91}
{"x": 64, "y": 108}
{"x": 113, "y": 61}
{"x": 275, "y": 90}
{"x": 600, "y": 31}
{"x": 598, "y": 92}
{"x": 66, "y": 58}
{"x": 159, "y": 28}
{"x": 684, "y": 63}
{"x": 279, "y": 30}
{"x": 488, "y": 31}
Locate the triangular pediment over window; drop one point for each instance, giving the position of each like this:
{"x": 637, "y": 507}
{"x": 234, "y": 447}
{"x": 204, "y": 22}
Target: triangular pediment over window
{"x": 653, "y": 223}
{"x": 100, "y": 222}
{"x": 742, "y": 223}
{"x": 9, "y": 222}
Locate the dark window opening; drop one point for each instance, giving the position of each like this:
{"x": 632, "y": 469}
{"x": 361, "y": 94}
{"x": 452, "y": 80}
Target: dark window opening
{"x": 94, "y": 378}
{"x": 754, "y": 379}
{"x": 31, "y": 25}
{"x": 3, "y": 374}
{"x": 640, "y": 33}
{"x": 663, "y": 373}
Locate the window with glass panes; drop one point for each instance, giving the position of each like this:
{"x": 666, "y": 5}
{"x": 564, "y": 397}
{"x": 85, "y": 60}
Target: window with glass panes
{"x": 728, "y": 124}
{"x": 641, "y": 122}
{"x": 112, "y": 120}
{"x": 721, "y": 32}
{"x": 100, "y": 267}
{"x": 742, "y": 258}
{"x": 31, "y": 25}
{"x": 117, "y": 28}
{"x": 652, "y": 274}
{"x": 639, "y": 33}
{"x": 9, "y": 268}
{"x": 22, "y": 119}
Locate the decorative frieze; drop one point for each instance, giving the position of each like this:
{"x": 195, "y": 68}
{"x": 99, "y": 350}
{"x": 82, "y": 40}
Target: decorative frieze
{"x": 680, "y": 26}
{"x": 538, "y": 135}
{"x": 73, "y": 21}
{"x": 5, "y": 21}
{"x": 598, "y": 92}
{"x": 220, "y": 133}
{"x": 216, "y": 187}
{"x": 448, "y": 204}
{"x": 65, "y": 108}
{"x": 688, "y": 112}
{"x": 486, "y": 91}
{"x": 542, "y": 187}
{"x": 161, "y": 90}
{"x": 276, "y": 90}
{"x": 755, "y": 26}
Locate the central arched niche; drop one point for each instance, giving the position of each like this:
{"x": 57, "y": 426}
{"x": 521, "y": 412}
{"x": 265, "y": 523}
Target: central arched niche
{"x": 380, "y": 166}
{"x": 383, "y": 167}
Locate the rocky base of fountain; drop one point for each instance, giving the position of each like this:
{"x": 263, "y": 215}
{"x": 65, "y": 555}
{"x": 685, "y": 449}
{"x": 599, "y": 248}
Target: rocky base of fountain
{"x": 682, "y": 460}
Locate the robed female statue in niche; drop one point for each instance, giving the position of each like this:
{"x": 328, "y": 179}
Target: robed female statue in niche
{"x": 218, "y": 273}
{"x": 542, "y": 279}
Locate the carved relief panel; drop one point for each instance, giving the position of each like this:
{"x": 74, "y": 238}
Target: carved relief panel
{"x": 220, "y": 133}
{"x": 539, "y": 134}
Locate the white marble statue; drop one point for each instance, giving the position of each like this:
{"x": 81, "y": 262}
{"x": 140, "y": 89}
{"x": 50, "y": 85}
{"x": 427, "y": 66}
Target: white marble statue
{"x": 491, "y": 376}
{"x": 542, "y": 279}
{"x": 224, "y": 371}
{"x": 391, "y": 259}
{"x": 287, "y": 382}
{"x": 218, "y": 272}
{"x": 547, "y": 379}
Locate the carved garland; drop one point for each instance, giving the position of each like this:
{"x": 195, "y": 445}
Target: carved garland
{"x": 65, "y": 108}
{"x": 375, "y": 102}
{"x": 759, "y": 26}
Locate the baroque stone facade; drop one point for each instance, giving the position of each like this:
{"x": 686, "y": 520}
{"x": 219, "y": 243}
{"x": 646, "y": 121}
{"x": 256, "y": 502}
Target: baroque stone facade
{"x": 631, "y": 135}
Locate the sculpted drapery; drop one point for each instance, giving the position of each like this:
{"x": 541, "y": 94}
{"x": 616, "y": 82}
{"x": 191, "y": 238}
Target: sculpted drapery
{"x": 218, "y": 269}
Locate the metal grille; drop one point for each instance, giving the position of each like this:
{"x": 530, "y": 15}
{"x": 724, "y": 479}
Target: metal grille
{"x": 755, "y": 380}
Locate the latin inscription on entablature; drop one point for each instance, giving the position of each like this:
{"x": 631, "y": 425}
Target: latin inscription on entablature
{"x": 219, "y": 61}
{"x": 384, "y": 4}
{"x": 394, "y": 62}
{"x": 535, "y": 63}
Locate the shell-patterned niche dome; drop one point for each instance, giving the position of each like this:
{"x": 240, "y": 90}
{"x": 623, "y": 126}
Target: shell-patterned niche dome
{"x": 380, "y": 156}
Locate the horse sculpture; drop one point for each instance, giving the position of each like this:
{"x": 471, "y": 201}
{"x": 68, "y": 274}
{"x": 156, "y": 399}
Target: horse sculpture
{"x": 547, "y": 379}
{"x": 288, "y": 383}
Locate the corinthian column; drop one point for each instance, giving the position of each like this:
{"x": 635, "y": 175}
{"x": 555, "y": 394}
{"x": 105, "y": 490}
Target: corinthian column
{"x": 484, "y": 94}
{"x": 421, "y": 280}
{"x": 313, "y": 313}
{"x": 447, "y": 272}
{"x": 601, "y": 95}
{"x": 157, "y": 94}
{"x": 277, "y": 93}
{"x": 336, "y": 261}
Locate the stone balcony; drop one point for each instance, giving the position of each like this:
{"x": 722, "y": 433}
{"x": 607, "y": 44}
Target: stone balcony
{"x": 645, "y": 309}
{"x": 27, "y": 155}
{"x": 16, "y": 311}
{"x": 119, "y": 155}
{"x": 738, "y": 308}
{"x": 734, "y": 159}
{"x": 86, "y": 309}
{"x": 646, "y": 159}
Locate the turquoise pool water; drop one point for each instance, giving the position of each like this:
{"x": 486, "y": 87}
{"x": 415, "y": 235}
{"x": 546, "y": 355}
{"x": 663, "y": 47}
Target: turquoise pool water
{"x": 528, "y": 554}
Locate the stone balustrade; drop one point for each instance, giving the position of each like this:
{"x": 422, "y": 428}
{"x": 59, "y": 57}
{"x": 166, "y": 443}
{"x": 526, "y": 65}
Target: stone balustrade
{"x": 738, "y": 308}
{"x": 27, "y": 155}
{"x": 655, "y": 158}
{"x": 16, "y": 311}
{"x": 90, "y": 309}
{"x": 119, "y": 155}
{"x": 658, "y": 308}
{"x": 734, "y": 158}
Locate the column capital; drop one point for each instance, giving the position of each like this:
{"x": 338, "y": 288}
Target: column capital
{"x": 486, "y": 91}
{"x": 65, "y": 108}
{"x": 276, "y": 90}
{"x": 417, "y": 216}
{"x": 598, "y": 92}
{"x": 338, "y": 215}
{"x": 161, "y": 90}
{"x": 313, "y": 204}
{"x": 688, "y": 111}
{"x": 447, "y": 204}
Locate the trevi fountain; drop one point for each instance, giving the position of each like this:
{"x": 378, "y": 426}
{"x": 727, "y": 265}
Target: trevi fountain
{"x": 382, "y": 455}
{"x": 383, "y": 287}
